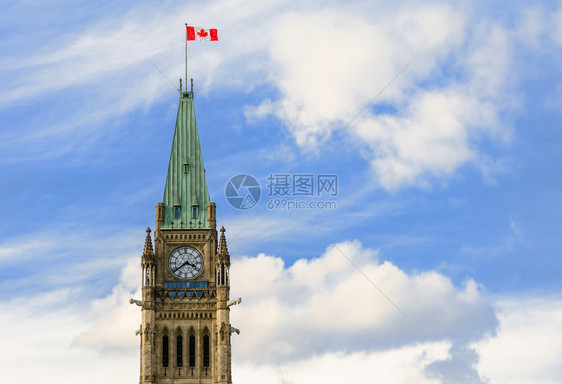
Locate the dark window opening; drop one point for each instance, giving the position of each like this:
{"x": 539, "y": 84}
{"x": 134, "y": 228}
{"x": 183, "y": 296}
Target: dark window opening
{"x": 179, "y": 351}
{"x": 195, "y": 211}
{"x": 177, "y": 212}
{"x": 192, "y": 351}
{"x": 165, "y": 351}
{"x": 206, "y": 351}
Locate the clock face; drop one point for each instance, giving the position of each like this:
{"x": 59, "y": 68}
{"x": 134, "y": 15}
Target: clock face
{"x": 185, "y": 263}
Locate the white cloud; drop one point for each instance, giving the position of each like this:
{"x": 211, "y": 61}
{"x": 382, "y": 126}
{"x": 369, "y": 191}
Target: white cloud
{"x": 400, "y": 365}
{"x": 431, "y": 139}
{"x": 324, "y": 305}
{"x": 328, "y": 74}
{"x": 114, "y": 315}
{"x": 38, "y": 342}
{"x": 528, "y": 346}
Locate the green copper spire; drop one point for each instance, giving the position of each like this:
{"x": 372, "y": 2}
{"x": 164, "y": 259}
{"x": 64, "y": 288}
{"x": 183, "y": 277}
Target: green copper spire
{"x": 185, "y": 195}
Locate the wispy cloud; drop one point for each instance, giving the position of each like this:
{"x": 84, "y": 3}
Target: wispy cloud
{"x": 34, "y": 261}
{"x": 426, "y": 126}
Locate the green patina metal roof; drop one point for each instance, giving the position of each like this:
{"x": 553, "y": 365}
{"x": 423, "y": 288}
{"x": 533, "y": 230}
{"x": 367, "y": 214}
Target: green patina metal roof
{"x": 186, "y": 186}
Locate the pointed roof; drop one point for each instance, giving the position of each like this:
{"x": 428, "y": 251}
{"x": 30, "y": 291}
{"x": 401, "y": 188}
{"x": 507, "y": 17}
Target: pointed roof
{"x": 186, "y": 185}
{"x": 222, "y": 252}
{"x": 148, "y": 252}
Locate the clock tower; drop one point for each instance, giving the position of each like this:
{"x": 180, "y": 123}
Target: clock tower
{"x": 185, "y": 331}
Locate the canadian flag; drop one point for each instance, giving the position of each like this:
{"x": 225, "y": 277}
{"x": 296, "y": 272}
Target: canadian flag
{"x": 202, "y": 34}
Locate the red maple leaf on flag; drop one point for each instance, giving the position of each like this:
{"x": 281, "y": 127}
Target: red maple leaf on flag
{"x": 202, "y": 33}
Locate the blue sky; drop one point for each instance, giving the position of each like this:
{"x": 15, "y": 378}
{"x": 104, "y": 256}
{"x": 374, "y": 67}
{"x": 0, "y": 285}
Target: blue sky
{"x": 448, "y": 182}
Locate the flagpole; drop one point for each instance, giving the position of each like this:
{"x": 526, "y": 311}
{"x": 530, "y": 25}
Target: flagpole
{"x": 186, "y": 56}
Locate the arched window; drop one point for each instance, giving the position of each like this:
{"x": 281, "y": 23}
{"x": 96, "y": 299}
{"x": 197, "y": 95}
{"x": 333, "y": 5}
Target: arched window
{"x": 165, "y": 350}
{"x": 206, "y": 351}
{"x": 192, "y": 351}
{"x": 179, "y": 351}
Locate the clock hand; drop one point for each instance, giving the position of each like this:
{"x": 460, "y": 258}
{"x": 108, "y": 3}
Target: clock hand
{"x": 184, "y": 263}
{"x": 181, "y": 266}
